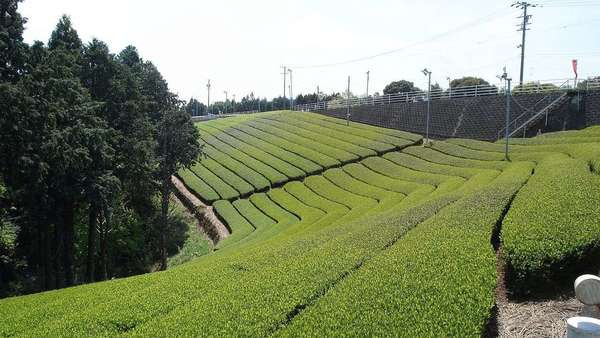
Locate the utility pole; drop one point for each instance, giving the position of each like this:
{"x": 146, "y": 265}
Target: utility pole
{"x": 208, "y": 104}
{"x": 449, "y": 87}
{"x": 233, "y": 104}
{"x": 226, "y": 100}
{"x": 318, "y": 99}
{"x": 368, "y": 72}
{"x": 291, "y": 93}
{"x": 428, "y": 74}
{"x": 507, "y": 80}
{"x": 284, "y": 77}
{"x": 523, "y": 28}
{"x": 348, "y": 103}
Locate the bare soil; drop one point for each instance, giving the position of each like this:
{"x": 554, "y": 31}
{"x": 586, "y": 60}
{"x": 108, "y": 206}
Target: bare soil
{"x": 208, "y": 220}
{"x": 535, "y": 318}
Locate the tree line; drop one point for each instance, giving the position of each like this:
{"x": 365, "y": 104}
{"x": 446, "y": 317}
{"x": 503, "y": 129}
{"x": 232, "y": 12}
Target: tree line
{"x": 88, "y": 142}
{"x": 253, "y": 103}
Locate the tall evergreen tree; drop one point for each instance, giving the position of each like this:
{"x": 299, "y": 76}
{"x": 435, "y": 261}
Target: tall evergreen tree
{"x": 64, "y": 36}
{"x": 13, "y": 51}
{"x": 178, "y": 147}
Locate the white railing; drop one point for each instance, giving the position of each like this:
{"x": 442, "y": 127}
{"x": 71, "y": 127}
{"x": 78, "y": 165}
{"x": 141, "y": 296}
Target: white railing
{"x": 469, "y": 91}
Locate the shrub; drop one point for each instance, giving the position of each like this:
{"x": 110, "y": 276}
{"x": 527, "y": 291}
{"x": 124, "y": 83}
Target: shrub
{"x": 240, "y": 227}
{"x": 196, "y": 185}
{"x": 224, "y": 190}
{"x": 553, "y": 225}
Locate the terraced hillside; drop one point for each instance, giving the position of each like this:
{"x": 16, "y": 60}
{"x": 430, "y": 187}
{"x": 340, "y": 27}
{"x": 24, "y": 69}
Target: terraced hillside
{"x": 253, "y": 153}
{"x": 392, "y": 239}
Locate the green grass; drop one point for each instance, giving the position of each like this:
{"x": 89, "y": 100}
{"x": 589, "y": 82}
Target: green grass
{"x": 195, "y": 244}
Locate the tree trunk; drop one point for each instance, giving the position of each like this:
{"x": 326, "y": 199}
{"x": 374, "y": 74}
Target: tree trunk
{"x": 164, "y": 208}
{"x": 56, "y": 257}
{"x": 103, "y": 246}
{"x": 91, "y": 247}
{"x": 68, "y": 245}
{"x": 45, "y": 261}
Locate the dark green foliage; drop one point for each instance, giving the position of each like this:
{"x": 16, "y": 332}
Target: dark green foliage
{"x": 64, "y": 36}
{"x": 401, "y": 86}
{"x": 80, "y": 156}
{"x": 178, "y": 147}
{"x": 13, "y": 51}
{"x": 467, "y": 81}
{"x": 195, "y": 108}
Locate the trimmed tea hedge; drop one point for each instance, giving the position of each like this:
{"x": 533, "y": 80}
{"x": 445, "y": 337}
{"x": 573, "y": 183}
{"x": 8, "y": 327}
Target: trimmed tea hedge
{"x": 437, "y": 280}
{"x": 553, "y": 224}
{"x": 339, "y": 154}
{"x": 397, "y": 243}
{"x": 224, "y": 190}
{"x": 274, "y": 176}
{"x": 195, "y": 184}
{"x": 240, "y": 227}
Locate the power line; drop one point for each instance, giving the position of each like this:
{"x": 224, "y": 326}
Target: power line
{"x": 523, "y": 28}
{"x": 558, "y": 4}
{"x": 470, "y": 24}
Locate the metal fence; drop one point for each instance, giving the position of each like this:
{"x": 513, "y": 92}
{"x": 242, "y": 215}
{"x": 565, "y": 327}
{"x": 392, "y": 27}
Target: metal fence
{"x": 459, "y": 92}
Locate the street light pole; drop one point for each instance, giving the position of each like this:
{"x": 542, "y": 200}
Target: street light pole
{"x": 507, "y": 80}
{"x": 291, "y": 93}
{"x": 208, "y": 103}
{"x": 428, "y": 74}
{"x": 284, "y": 77}
{"x": 348, "y": 103}
{"x": 368, "y": 72}
{"x": 449, "y": 87}
{"x": 317, "y": 107}
{"x": 226, "y": 99}
{"x": 508, "y": 94}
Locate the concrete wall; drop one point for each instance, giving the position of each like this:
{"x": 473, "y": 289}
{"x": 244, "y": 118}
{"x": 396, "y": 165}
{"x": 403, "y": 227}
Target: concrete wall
{"x": 592, "y": 108}
{"x": 472, "y": 117}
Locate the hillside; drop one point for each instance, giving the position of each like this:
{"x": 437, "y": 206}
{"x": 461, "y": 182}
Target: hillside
{"x": 350, "y": 230}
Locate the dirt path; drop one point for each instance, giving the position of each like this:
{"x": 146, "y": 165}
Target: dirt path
{"x": 539, "y": 318}
{"x": 209, "y": 222}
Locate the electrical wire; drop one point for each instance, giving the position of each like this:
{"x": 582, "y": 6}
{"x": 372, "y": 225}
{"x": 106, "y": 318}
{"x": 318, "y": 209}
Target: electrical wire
{"x": 471, "y": 24}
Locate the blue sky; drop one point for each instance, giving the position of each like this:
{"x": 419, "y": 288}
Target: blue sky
{"x": 240, "y": 45}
